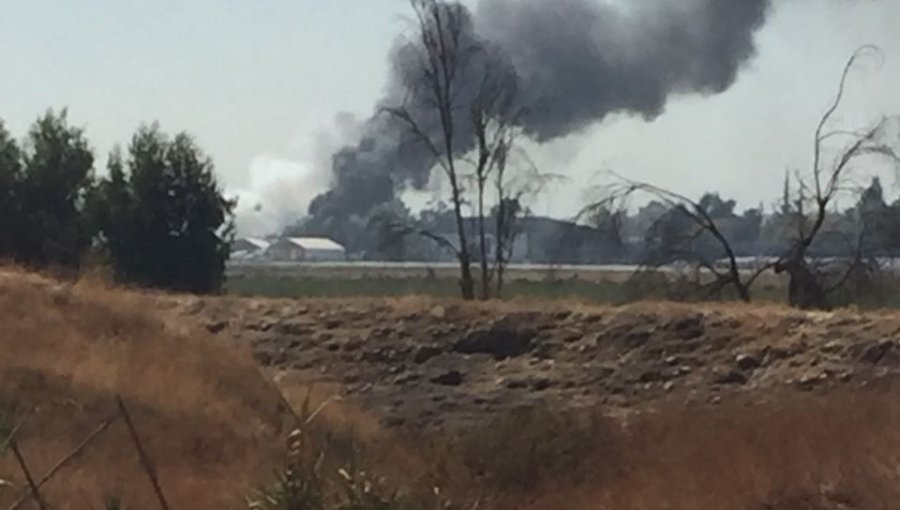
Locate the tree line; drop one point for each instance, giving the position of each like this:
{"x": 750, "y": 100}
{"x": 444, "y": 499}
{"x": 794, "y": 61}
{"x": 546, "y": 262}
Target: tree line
{"x": 158, "y": 218}
{"x": 821, "y": 249}
{"x": 471, "y": 134}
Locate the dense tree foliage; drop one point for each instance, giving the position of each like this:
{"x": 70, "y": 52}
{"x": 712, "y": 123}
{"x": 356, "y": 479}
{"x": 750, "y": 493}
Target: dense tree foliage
{"x": 10, "y": 170}
{"x": 57, "y": 172}
{"x": 158, "y": 217}
{"x": 162, "y": 215}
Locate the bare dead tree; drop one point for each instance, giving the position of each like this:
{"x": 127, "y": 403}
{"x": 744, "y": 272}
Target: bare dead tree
{"x": 516, "y": 179}
{"x": 702, "y": 221}
{"x": 442, "y": 52}
{"x": 826, "y": 181}
{"x": 494, "y": 117}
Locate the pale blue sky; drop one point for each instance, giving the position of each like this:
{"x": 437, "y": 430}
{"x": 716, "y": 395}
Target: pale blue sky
{"x": 260, "y": 84}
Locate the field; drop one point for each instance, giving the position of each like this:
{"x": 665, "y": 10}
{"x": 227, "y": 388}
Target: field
{"x": 525, "y": 405}
{"x": 595, "y": 284}
{"x": 611, "y": 284}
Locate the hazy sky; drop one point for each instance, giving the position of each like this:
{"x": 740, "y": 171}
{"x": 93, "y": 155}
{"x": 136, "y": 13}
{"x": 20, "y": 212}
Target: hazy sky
{"x": 269, "y": 87}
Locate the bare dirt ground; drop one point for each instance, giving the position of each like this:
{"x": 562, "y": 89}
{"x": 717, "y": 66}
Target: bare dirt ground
{"x": 428, "y": 363}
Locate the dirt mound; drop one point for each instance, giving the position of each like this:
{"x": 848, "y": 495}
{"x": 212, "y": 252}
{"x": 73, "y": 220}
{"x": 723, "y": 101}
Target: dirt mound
{"x": 642, "y": 407}
{"x": 425, "y": 363}
{"x": 209, "y": 419}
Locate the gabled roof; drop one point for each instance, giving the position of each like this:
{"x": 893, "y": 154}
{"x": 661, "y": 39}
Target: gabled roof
{"x": 315, "y": 243}
{"x": 261, "y": 244}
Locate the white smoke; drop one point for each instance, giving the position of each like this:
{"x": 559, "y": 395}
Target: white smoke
{"x": 278, "y": 194}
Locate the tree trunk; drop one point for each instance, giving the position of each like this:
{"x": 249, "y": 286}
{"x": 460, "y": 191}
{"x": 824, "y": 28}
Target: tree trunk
{"x": 804, "y": 289}
{"x": 485, "y": 275}
{"x": 466, "y": 283}
{"x": 500, "y": 268}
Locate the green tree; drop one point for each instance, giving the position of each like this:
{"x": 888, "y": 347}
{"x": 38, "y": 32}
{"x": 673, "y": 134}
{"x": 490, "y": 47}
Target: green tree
{"x": 165, "y": 222}
{"x": 10, "y": 173}
{"x": 57, "y": 174}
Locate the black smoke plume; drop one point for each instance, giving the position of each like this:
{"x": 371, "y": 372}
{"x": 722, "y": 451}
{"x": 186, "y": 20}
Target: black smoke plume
{"x": 575, "y": 61}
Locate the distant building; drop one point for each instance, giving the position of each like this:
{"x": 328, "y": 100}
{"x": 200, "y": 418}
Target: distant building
{"x": 306, "y": 249}
{"x": 249, "y": 248}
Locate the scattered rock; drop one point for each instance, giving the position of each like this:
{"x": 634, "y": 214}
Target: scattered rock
{"x": 406, "y": 378}
{"x": 381, "y": 333}
{"x": 688, "y": 328}
{"x": 781, "y": 353}
{"x": 381, "y": 355}
{"x": 353, "y": 344}
{"x": 603, "y": 371}
{"x": 570, "y": 336}
{"x": 216, "y": 327}
{"x": 810, "y": 381}
{"x": 540, "y": 383}
{"x": 732, "y": 377}
{"x": 424, "y": 353}
{"x": 293, "y": 327}
{"x": 561, "y": 315}
{"x": 500, "y": 342}
{"x": 439, "y": 312}
{"x": 270, "y": 358}
{"x": 833, "y": 347}
{"x": 877, "y": 352}
{"x": 650, "y": 376}
{"x": 261, "y": 326}
{"x": 748, "y": 361}
{"x": 516, "y": 384}
{"x": 448, "y": 378}
{"x": 637, "y": 339}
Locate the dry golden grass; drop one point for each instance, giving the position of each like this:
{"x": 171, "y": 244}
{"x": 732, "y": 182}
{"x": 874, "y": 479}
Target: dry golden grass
{"x": 789, "y": 451}
{"x": 795, "y": 452}
{"x": 211, "y": 422}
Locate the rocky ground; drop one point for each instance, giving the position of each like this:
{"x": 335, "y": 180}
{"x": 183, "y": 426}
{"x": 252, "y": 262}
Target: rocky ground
{"x": 431, "y": 363}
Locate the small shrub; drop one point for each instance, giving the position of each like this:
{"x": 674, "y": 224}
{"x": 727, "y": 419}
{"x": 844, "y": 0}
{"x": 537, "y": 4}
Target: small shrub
{"x": 304, "y": 485}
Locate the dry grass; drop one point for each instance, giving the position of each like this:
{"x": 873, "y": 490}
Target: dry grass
{"x": 795, "y": 452}
{"x": 213, "y": 425}
{"x": 210, "y": 420}
{"x": 790, "y": 451}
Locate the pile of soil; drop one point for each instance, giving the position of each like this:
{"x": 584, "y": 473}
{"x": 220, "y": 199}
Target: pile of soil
{"x": 427, "y": 363}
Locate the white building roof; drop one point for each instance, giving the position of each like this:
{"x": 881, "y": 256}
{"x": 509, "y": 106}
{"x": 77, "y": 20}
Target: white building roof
{"x": 262, "y": 244}
{"x": 316, "y": 243}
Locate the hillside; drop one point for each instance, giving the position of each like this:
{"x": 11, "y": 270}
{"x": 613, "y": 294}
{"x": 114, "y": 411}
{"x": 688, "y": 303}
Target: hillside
{"x": 209, "y": 420}
{"x": 543, "y": 405}
{"x": 423, "y": 362}
{"x": 518, "y": 405}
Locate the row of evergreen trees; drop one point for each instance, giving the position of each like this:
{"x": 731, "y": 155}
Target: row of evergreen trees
{"x": 158, "y": 216}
